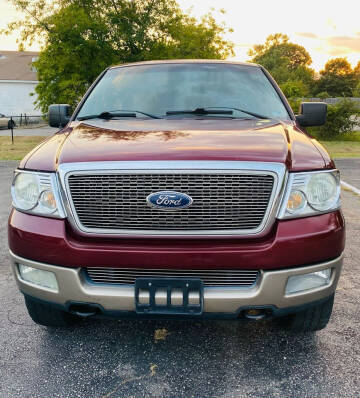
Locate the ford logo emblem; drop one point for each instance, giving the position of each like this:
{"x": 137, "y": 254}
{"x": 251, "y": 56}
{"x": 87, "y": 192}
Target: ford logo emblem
{"x": 169, "y": 200}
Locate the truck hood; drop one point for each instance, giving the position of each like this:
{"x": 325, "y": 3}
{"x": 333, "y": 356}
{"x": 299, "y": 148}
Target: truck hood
{"x": 184, "y": 139}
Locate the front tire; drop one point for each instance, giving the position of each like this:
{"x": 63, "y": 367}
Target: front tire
{"x": 47, "y": 315}
{"x": 310, "y": 320}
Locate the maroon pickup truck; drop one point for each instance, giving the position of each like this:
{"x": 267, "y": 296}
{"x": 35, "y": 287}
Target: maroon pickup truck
{"x": 179, "y": 189}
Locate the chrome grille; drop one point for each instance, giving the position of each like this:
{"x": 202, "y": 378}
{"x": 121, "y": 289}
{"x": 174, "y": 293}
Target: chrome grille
{"x": 209, "y": 277}
{"x": 112, "y": 201}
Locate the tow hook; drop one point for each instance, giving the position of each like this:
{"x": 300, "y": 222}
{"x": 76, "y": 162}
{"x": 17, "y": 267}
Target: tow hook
{"x": 255, "y": 314}
{"x": 84, "y": 310}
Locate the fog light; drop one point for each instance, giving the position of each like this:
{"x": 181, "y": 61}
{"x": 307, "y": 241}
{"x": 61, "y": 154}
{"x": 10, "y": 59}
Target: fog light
{"x": 299, "y": 283}
{"x": 39, "y": 277}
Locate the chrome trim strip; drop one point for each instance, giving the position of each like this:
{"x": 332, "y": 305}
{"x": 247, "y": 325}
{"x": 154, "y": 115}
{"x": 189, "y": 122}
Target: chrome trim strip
{"x": 277, "y": 170}
{"x": 210, "y": 277}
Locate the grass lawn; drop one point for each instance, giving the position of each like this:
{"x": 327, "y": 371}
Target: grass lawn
{"x": 348, "y": 147}
{"x": 21, "y": 146}
{"x": 343, "y": 149}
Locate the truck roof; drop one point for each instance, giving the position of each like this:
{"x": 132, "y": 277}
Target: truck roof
{"x": 186, "y": 61}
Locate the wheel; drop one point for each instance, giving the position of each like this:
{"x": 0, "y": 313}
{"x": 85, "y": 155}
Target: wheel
{"x": 47, "y": 315}
{"x": 11, "y": 124}
{"x": 310, "y": 320}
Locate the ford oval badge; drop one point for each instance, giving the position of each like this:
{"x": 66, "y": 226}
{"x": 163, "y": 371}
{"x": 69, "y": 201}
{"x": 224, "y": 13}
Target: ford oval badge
{"x": 169, "y": 200}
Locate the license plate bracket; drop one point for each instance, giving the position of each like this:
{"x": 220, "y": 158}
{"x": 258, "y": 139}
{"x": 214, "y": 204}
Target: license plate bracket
{"x": 170, "y": 296}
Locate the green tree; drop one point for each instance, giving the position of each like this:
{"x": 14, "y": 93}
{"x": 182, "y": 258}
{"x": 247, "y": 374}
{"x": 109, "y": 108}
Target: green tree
{"x": 287, "y": 62}
{"x": 356, "y": 91}
{"x": 337, "y": 78}
{"x": 294, "y": 89}
{"x": 80, "y": 38}
{"x": 277, "y": 49}
{"x": 357, "y": 70}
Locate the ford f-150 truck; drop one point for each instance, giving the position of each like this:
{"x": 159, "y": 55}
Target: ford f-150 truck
{"x": 179, "y": 189}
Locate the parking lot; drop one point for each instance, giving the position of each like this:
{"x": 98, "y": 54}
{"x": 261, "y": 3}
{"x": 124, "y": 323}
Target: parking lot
{"x": 173, "y": 359}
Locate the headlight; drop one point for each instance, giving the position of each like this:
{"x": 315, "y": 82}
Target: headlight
{"x": 322, "y": 191}
{"x": 311, "y": 193}
{"x": 26, "y": 191}
{"x": 36, "y": 193}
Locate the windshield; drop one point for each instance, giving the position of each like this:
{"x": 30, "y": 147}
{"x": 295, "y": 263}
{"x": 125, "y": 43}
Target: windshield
{"x": 159, "y": 88}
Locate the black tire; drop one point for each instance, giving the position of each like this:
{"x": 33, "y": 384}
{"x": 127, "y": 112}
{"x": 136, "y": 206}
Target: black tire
{"x": 11, "y": 123}
{"x": 310, "y": 320}
{"x": 47, "y": 315}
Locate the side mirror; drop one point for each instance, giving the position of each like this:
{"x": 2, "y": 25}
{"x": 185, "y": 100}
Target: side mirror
{"x": 59, "y": 115}
{"x": 312, "y": 114}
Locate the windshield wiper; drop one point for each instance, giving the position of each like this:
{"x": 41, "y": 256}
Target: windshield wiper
{"x": 220, "y": 110}
{"x": 200, "y": 111}
{"x": 107, "y": 115}
{"x": 257, "y": 115}
{"x": 118, "y": 113}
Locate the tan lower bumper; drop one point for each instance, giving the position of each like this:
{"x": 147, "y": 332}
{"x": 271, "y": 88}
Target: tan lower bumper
{"x": 269, "y": 290}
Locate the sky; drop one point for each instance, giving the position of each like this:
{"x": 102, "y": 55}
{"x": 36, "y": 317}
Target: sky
{"x": 326, "y": 28}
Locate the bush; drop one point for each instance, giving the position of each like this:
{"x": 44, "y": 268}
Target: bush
{"x": 341, "y": 120}
{"x": 356, "y": 92}
{"x": 295, "y": 104}
{"x": 323, "y": 95}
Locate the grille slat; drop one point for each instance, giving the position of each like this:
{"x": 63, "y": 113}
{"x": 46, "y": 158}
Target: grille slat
{"x": 245, "y": 278}
{"x": 220, "y": 201}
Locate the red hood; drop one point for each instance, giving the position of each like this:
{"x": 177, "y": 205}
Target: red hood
{"x": 186, "y": 139}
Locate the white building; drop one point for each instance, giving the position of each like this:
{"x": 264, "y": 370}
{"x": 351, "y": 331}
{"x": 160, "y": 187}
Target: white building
{"x": 18, "y": 80}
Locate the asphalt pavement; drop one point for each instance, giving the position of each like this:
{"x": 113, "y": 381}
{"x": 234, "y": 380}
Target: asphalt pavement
{"x": 119, "y": 358}
{"x": 45, "y": 131}
{"x": 350, "y": 171}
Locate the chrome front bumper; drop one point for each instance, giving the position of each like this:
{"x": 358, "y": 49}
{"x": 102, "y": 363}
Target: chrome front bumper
{"x": 268, "y": 291}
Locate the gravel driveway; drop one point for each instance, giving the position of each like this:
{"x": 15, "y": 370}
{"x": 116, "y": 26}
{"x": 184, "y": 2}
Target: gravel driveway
{"x": 180, "y": 359}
